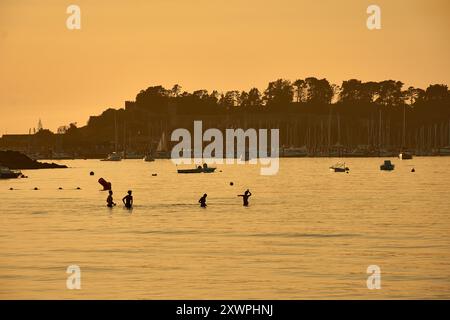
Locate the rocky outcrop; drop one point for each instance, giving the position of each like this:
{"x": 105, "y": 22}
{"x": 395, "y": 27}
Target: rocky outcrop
{"x": 17, "y": 160}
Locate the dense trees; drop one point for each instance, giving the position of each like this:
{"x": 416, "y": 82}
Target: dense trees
{"x": 278, "y": 94}
{"x": 353, "y": 97}
{"x": 309, "y": 111}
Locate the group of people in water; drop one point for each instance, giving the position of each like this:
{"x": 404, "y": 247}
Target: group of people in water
{"x": 128, "y": 199}
{"x": 247, "y": 194}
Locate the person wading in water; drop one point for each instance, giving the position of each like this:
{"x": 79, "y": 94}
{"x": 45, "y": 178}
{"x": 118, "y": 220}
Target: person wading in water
{"x": 202, "y": 201}
{"x": 109, "y": 200}
{"x": 245, "y": 197}
{"x": 128, "y": 200}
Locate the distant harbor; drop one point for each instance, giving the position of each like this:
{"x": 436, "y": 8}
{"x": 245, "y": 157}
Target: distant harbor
{"x": 314, "y": 119}
{"x": 283, "y": 153}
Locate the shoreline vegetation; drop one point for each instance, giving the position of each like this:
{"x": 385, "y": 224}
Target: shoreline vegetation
{"x": 315, "y": 119}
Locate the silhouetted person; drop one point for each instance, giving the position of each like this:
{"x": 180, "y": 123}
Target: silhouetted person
{"x": 245, "y": 197}
{"x": 128, "y": 200}
{"x": 105, "y": 184}
{"x": 202, "y": 201}
{"x": 109, "y": 200}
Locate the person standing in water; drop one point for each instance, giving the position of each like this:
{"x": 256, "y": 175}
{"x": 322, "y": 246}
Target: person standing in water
{"x": 245, "y": 197}
{"x": 109, "y": 200}
{"x": 128, "y": 200}
{"x": 202, "y": 201}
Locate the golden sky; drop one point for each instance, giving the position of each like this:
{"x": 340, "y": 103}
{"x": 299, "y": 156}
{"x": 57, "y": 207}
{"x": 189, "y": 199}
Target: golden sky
{"x": 61, "y": 75}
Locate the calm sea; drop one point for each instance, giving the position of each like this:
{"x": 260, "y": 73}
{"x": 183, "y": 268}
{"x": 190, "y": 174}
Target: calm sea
{"x": 308, "y": 232}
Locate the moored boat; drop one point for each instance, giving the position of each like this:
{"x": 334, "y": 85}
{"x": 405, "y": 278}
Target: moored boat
{"x": 132, "y": 155}
{"x": 339, "y": 167}
{"x": 199, "y": 169}
{"x": 387, "y": 166}
{"x": 405, "y": 156}
{"x": 115, "y": 156}
{"x": 6, "y": 173}
{"x": 293, "y": 152}
{"x": 148, "y": 158}
{"x": 445, "y": 151}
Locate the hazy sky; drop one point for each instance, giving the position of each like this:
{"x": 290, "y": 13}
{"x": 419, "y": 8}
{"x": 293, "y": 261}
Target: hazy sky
{"x": 61, "y": 75}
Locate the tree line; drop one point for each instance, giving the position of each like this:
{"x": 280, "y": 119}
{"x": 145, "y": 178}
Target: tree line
{"x": 353, "y": 98}
{"x": 316, "y": 113}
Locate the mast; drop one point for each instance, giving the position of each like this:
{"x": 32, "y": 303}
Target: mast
{"x": 150, "y": 136}
{"x": 329, "y": 130}
{"x": 339, "y": 128}
{"x": 404, "y": 127}
{"x": 379, "y": 130}
{"x": 448, "y": 143}
{"x": 115, "y": 132}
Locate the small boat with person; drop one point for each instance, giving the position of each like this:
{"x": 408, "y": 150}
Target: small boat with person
{"x": 199, "y": 169}
{"x": 387, "y": 166}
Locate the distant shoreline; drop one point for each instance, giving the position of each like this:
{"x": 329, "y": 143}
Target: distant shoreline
{"x": 284, "y": 157}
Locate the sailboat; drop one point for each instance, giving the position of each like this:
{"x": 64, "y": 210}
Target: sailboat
{"x": 149, "y": 156}
{"x": 161, "y": 149}
{"x": 339, "y": 167}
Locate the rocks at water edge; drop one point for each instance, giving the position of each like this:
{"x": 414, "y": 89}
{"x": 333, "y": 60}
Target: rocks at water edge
{"x": 16, "y": 160}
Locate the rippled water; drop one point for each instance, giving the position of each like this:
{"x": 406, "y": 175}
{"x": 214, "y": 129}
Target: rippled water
{"x": 308, "y": 233}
